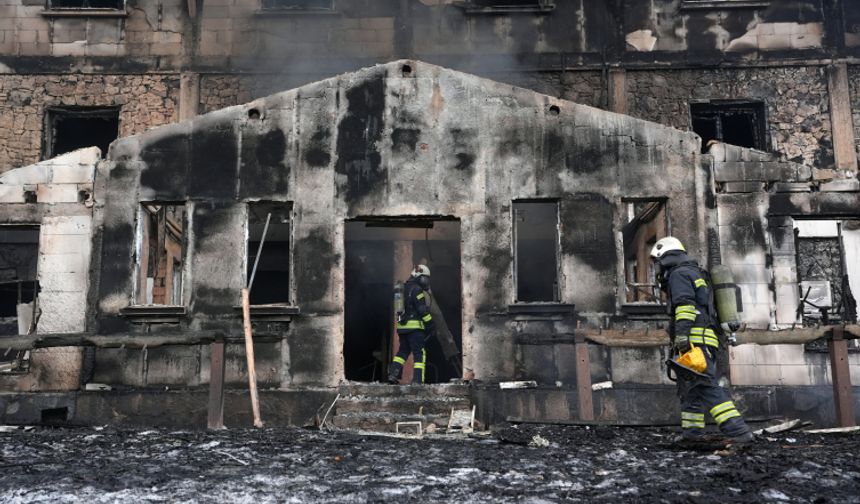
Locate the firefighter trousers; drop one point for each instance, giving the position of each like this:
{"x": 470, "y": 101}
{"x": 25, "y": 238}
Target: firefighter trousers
{"x": 410, "y": 342}
{"x": 705, "y": 395}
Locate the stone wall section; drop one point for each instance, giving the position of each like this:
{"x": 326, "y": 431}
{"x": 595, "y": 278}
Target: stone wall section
{"x": 796, "y": 102}
{"x": 854, "y": 90}
{"x": 145, "y": 101}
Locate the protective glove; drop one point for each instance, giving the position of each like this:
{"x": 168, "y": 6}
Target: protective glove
{"x": 681, "y": 343}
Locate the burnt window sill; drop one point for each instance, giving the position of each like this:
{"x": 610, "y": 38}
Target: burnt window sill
{"x": 474, "y": 10}
{"x": 723, "y": 4}
{"x": 154, "y": 313}
{"x": 541, "y": 309}
{"x": 274, "y": 12}
{"x": 271, "y": 312}
{"x": 103, "y": 13}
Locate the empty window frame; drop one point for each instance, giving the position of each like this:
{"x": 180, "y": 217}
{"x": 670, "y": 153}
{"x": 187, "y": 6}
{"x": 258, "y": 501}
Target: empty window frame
{"x": 272, "y": 277}
{"x": 645, "y": 224}
{"x": 828, "y": 278}
{"x": 536, "y": 245}
{"x": 68, "y": 129}
{"x": 160, "y": 254}
{"x": 301, "y": 5}
{"x": 736, "y": 123}
{"x": 86, "y": 4}
{"x": 19, "y": 287}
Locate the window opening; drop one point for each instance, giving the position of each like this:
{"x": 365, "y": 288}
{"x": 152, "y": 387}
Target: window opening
{"x": 19, "y": 288}
{"x": 86, "y": 4}
{"x": 536, "y": 250}
{"x": 69, "y": 129}
{"x": 827, "y": 281}
{"x": 272, "y": 281}
{"x": 724, "y": 4}
{"x": 646, "y": 223}
{"x": 740, "y": 124}
{"x": 321, "y": 5}
{"x": 161, "y": 253}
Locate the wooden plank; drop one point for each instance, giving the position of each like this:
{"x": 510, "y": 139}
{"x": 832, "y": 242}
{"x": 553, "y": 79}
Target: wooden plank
{"x": 148, "y": 340}
{"x": 249, "y": 353}
{"x": 583, "y": 381}
{"x": 841, "y": 379}
{"x": 216, "y": 386}
{"x": 657, "y": 337}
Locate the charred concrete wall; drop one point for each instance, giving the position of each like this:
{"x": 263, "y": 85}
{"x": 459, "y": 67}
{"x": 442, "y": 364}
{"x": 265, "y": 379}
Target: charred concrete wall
{"x": 854, "y": 83}
{"x": 403, "y": 139}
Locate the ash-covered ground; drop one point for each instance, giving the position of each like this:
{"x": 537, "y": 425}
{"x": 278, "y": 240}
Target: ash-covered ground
{"x": 527, "y": 463}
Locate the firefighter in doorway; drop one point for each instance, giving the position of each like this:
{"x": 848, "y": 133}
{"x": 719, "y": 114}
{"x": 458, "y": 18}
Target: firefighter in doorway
{"x": 413, "y": 326}
{"x": 694, "y": 322}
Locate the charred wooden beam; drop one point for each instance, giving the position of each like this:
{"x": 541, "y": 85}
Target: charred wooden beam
{"x": 657, "y": 337}
{"x": 148, "y": 340}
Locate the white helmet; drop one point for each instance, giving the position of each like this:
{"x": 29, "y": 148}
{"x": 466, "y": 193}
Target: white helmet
{"x": 420, "y": 269}
{"x": 666, "y": 244}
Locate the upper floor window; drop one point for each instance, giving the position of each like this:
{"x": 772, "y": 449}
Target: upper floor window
{"x": 321, "y": 5}
{"x": 160, "y": 254}
{"x": 736, "y": 123}
{"x": 86, "y": 4}
{"x": 71, "y": 128}
{"x": 536, "y": 250}
{"x": 646, "y": 223}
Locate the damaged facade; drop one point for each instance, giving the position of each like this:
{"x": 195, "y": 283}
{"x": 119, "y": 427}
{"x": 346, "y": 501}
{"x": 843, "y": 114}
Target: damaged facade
{"x": 534, "y": 205}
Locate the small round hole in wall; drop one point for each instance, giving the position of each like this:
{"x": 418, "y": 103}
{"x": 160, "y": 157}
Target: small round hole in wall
{"x": 406, "y": 70}
{"x": 254, "y": 114}
{"x": 554, "y": 110}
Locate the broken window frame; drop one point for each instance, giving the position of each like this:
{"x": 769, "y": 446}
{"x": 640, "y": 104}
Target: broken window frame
{"x": 299, "y": 6}
{"x": 250, "y": 254}
{"x": 139, "y": 297}
{"x": 722, "y": 108}
{"x": 628, "y": 207}
{"x": 556, "y": 295}
{"x": 52, "y": 114}
{"x": 21, "y": 361}
{"x": 54, "y": 5}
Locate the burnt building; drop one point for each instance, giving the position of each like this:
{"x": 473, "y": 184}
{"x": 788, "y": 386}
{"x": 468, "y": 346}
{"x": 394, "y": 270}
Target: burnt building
{"x": 532, "y": 189}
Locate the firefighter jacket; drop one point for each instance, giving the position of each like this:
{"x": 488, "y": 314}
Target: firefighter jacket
{"x": 689, "y": 299}
{"x": 416, "y": 314}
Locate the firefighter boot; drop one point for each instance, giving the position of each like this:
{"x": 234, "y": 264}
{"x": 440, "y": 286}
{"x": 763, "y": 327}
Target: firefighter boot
{"x": 395, "y": 370}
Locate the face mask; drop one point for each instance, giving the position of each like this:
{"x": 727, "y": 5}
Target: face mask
{"x": 424, "y": 282}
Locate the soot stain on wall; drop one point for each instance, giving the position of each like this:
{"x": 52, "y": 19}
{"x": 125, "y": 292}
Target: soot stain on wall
{"x": 463, "y": 141}
{"x": 263, "y": 171}
{"x": 167, "y": 163}
{"x": 214, "y": 151}
{"x": 404, "y": 140}
{"x": 317, "y": 153}
{"x": 315, "y": 260}
{"x": 358, "y": 156}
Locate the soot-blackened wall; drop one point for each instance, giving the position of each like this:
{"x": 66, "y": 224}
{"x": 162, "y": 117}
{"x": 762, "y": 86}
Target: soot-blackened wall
{"x": 385, "y": 142}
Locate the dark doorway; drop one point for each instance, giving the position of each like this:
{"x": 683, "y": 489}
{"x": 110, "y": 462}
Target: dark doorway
{"x": 69, "y": 129}
{"x": 380, "y": 252}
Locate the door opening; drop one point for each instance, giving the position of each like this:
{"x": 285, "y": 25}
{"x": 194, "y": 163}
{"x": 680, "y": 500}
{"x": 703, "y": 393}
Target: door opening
{"x": 380, "y": 252}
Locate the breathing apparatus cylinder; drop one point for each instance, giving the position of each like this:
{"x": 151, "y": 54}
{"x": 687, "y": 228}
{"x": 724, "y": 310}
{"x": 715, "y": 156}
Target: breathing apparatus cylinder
{"x": 726, "y": 300}
{"x": 398, "y": 298}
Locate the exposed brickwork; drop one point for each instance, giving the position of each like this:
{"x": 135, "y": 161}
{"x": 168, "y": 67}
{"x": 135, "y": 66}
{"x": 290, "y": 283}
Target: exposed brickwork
{"x": 585, "y": 87}
{"x": 795, "y": 97}
{"x": 854, "y": 86}
{"x": 145, "y": 101}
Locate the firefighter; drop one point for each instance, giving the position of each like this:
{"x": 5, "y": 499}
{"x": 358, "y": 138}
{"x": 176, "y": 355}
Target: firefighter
{"x": 694, "y": 322}
{"x": 413, "y": 326}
